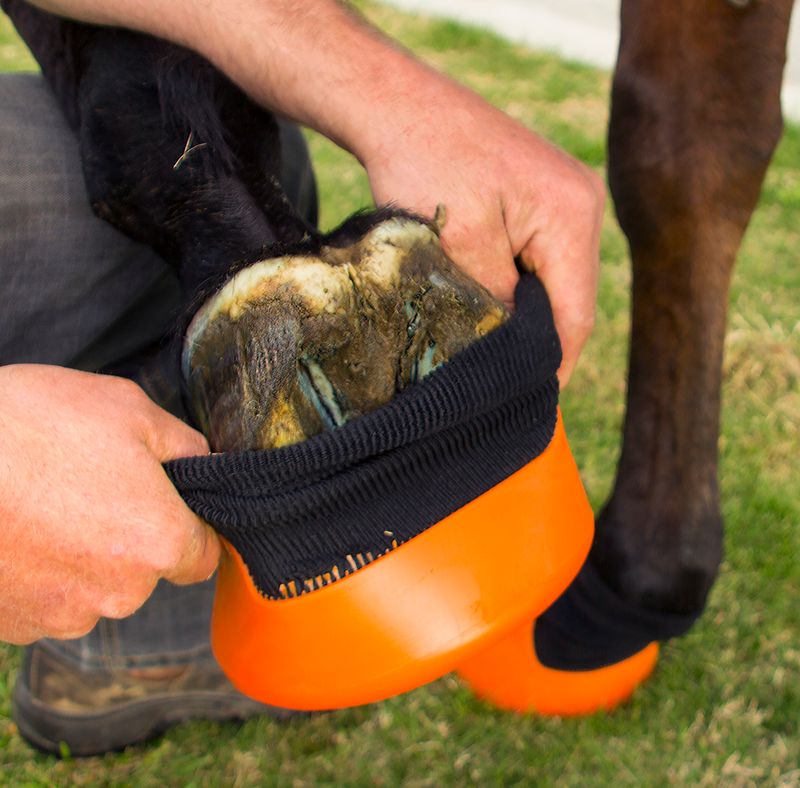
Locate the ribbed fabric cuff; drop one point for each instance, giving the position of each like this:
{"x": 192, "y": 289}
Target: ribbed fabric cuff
{"x": 295, "y": 513}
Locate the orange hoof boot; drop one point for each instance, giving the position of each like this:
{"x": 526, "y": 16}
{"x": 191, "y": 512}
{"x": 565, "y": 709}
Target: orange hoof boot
{"x": 510, "y": 676}
{"x": 419, "y": 610}
{"x": 586, "y": 653}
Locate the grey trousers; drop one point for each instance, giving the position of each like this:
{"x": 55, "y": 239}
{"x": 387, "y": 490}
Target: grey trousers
{"x": 76, "y": 292}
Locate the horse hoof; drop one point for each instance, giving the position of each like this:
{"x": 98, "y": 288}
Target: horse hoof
{"x": 294, "y": 345}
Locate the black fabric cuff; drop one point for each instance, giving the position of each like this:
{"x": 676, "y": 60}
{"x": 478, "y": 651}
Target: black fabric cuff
{"x": 590, "y": 626}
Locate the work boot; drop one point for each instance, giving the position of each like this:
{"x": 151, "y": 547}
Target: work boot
{"x": 61, "y": 708}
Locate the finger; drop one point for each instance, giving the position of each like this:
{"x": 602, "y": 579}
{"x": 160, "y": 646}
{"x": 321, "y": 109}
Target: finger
{"x": 169, "y": 438}
{"x": 165, "y": 435}
{"x": 482, "y": 249}
{"x": 75, "y": 632}
{"x": 17, "y": 630}
{"x": 21, "y": 637}
{"x": 124, "y": 603}
{"x": 66, "y": 605}
{"x": 569, "y": 273}
{"x": 200, "y": 557}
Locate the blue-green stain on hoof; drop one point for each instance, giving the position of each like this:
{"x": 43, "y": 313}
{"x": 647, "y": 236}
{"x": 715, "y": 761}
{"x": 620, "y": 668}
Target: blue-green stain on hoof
{"x": 319, "y": 391}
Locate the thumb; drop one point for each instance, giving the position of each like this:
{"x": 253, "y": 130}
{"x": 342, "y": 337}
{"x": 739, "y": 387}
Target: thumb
{"x": 200, "y": 557}
{"x": 168, "y": 438}
{"x": 482, "y": 249}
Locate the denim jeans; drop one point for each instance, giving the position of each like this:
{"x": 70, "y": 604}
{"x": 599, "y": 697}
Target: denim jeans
{"x": 76, "y": 292}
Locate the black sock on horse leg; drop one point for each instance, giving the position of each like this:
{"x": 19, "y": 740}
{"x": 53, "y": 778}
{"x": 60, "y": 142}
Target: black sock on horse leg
{"x": 590, "y": 626}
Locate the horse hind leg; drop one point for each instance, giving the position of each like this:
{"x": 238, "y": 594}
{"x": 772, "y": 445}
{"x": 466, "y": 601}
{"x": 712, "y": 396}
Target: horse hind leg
{"x": 158, "y": 134}
{"x": 695, "y": 119}
{"x": 167, "y": 144}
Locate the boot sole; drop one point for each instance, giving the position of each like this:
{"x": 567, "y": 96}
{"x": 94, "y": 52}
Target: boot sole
{"x": 63, "y": 733}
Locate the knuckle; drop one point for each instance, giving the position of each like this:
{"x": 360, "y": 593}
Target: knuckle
{"x": 165, "y": 556}
{"x": 21, "y": 635}
{"x": 589, "y": 194}
{"x": 76, "y": 631}
{"x": 121, "y": 606}
{"x": 127, "y": 389}
{"x": 70, "y": 626}
{"x": 138, "y": 406}
{"x": 580, "y": 187}
{"x": 191, "y": 442}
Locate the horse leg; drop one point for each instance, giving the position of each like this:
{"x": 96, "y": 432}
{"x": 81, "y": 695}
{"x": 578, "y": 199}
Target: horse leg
{"x": 695, "y": 119}
{"x": 174, "y": 155}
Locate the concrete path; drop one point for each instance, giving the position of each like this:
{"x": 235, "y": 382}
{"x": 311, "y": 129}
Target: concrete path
{"x": 583, "y": 30}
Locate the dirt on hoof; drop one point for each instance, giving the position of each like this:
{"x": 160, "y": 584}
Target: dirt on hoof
{"x": 292, "y": 346}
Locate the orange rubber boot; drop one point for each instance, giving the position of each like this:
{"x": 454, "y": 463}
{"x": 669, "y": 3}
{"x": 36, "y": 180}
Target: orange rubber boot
{"x": 510, "y": 675}
{"x": 421, "y": 609}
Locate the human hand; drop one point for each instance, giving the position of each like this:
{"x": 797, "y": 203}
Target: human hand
{"x": 90, "y": 521}
{"x": 508, "y": 193}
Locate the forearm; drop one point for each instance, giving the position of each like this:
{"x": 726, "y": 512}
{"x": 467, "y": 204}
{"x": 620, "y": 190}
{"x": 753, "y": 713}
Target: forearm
{"x": 311, "y": 60}
{"x": 424, "y": 139}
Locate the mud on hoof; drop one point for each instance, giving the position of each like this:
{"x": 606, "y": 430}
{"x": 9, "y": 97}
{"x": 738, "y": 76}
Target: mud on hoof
{"x": 297, "y": 344}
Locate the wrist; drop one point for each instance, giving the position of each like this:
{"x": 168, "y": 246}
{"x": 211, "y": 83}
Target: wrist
{"x": 404, "y": 107}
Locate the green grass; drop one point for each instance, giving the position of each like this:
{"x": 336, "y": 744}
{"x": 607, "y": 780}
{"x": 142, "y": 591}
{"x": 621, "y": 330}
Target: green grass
{"x": 723, "y": 706}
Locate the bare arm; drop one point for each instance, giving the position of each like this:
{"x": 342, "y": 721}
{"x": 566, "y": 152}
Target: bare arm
{"x": 423, "y": 138}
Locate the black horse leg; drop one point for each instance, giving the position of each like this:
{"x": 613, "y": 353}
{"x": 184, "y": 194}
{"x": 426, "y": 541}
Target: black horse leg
{"x": 174, "y": 154}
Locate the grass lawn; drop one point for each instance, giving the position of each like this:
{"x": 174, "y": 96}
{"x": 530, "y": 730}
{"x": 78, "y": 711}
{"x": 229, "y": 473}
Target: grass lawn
{"x": 724, "y": 704}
